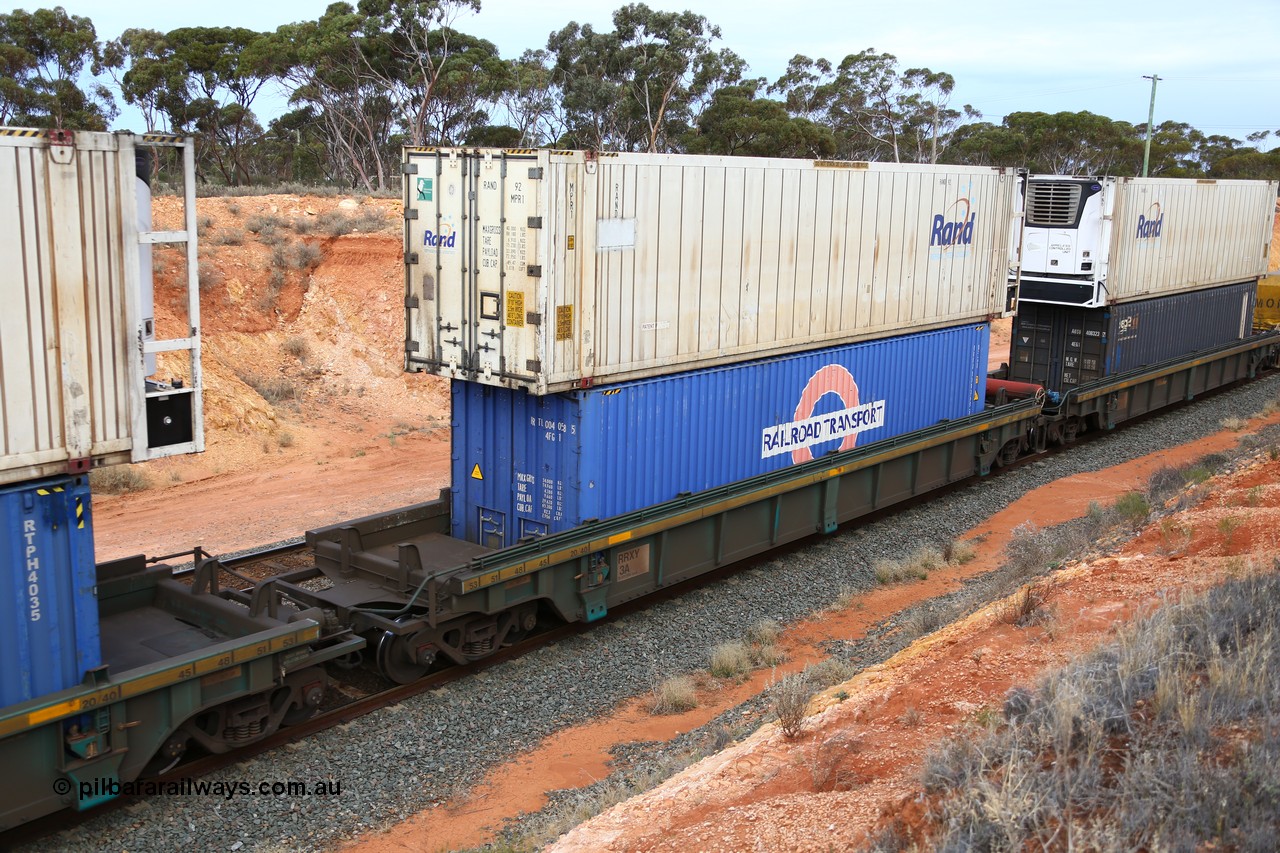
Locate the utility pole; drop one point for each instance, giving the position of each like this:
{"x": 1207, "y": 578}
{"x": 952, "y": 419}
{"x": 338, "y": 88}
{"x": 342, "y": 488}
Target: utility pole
{"x": 1151, "y": 117}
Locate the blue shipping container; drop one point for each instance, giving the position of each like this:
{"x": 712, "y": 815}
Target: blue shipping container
{"x": 526, "y": 465}
{"x": 1063, "y": 346}
{"x": 49, "y": 617}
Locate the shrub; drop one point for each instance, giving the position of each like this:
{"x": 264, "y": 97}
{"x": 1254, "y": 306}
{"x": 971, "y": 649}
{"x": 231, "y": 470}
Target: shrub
{"x": 119, "y": 480}
{"x": 1233, "y": 424}
{"x": 790, "y": 699}
{"x": 273, "y": 389}
{"x": 1029, "y": 550}
{"x": 228, "y": 237}
{"x": 1133, "y": 508}
{"x": 730, "y": 660}
{"x": 209, "y": 276}
{"x": 285, "y": 438}
{"x": 675, "y": 695}
{"x": 762, "y": 639}
{"x": 297, "y": 347}
{"x": 829, "y": 672}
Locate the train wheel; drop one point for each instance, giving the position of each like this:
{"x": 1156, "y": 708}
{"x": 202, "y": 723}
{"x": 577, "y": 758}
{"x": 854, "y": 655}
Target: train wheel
{"x": 1009, "y": 453}
{"x": 404, "y": 658}
{"x": 1070, "y": 430}
{"x": 306, "y": 688}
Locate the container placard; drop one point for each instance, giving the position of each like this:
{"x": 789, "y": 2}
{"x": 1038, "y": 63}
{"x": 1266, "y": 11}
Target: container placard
{"x": 515, "y": 309}
{"x": 633, "y": 562}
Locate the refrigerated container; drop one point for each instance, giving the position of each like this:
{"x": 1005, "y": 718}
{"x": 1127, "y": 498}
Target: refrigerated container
{"x": 75, "y": 338}
{"x": 1061, "y": 347}
{"x": 1092, "y": 242}
{"x": 556, "y": 270}
{"x": 527, "y": 465}
{"x": 49, "y": 612}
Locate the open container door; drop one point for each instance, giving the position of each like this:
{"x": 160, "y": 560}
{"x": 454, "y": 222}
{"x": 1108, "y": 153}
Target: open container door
{"x": 167, "y": 393}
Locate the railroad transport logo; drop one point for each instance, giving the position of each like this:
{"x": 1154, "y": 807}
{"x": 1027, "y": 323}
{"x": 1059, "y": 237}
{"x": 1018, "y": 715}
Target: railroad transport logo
{"x": 805, "y": 430}
{"x": 954, "y": 226}
{"x": 1149, "y": 223}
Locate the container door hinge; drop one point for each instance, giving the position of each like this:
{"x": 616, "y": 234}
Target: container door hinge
{"x": 410, "y": 346}
{"x": 535, "y": 173}
{"x": 408, "y": 168}
{"x": 535, "y": 221}
{"x": 411, "y": 213}
{"x": 411, "y": 258}
{"x": 533, "y": 365}
{"x": 411, "y": 302}
{"x": 535, "y": 271}
{"x": 533, "y": 318}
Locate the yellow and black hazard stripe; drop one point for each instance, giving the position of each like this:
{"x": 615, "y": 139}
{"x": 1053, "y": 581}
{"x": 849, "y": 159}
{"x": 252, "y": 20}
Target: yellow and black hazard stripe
{"x": 52, "y": 490}
{"x": 25, "y": 132}
{"x": 79, "y": 513}
{"x": 166, "y": 138}
{"x": 611, "y": 392}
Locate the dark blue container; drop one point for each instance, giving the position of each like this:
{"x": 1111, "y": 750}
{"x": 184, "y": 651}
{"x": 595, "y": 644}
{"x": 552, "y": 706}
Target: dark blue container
{"x": 49, "y": 617}
{"x": 1062, "y": 347}
{"x": 526, "y": 465}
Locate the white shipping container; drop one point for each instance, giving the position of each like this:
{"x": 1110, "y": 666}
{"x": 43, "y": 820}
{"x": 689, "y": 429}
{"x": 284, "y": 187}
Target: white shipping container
{"x": 1100, "y": 241}
{"x": 551, "y": 270}
{"x": 73, "y": 342}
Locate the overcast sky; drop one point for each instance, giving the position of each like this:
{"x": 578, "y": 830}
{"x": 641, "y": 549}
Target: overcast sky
{"x": 1218, "y": 61}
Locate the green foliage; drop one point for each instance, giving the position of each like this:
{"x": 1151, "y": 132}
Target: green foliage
{"x": 367, "y": 77}
{"x": 43, "y": 55}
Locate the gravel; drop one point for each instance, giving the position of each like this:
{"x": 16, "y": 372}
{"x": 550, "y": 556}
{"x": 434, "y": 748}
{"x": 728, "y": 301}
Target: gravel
{"x": 414, "y": 756}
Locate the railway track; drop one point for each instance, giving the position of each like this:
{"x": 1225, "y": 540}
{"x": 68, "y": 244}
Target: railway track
{"x": 358, "y": 692}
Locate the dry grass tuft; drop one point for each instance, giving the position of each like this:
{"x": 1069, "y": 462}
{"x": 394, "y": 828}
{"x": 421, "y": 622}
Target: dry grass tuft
{"x": 730, "y": 660}
{"x": 675, "y": 696}
{"x": 119, "y": 480}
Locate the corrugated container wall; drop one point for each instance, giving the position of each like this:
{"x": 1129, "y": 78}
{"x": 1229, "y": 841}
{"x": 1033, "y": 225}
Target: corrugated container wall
{"x": 48, "y": 611}
{"x": 1062, "y": 347}
{"x": 71, "y": 373}
{"x": 526, "y": 465}
{"x": 1102, "y": 241}
{"x": 554, "y": 270}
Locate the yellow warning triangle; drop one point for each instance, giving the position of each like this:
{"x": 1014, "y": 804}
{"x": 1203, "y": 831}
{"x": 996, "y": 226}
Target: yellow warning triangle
{"x": 475, "y": 472}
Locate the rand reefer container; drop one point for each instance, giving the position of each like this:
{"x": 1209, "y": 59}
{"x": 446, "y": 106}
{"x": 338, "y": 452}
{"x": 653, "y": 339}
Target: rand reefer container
{"x": 1101, "y": 241}
{"x": 75, "y": 335}
{"x": 48, "y": 604}
{"x": 1062, "y": 346}
{"x": 555, "y": 270}
{"x": 527, "y": 465}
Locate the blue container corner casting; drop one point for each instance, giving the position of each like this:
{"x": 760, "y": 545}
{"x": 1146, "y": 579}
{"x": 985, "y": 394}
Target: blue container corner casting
{"x": 526, "y": 465}
{"x": 49, "y": 621}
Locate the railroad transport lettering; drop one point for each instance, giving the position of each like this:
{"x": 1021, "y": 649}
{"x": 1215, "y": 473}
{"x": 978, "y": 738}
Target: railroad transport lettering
{"x": 784, "y": 438}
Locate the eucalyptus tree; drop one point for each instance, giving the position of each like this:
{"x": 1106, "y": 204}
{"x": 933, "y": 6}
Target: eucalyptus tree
{"x": 43, "y": 56}
{"x": 641, "y": 86}
{"x": 407, "y": 48}
{"x": 146, "y": 69}
{"x": 531, "y": 101}
{"x": 738, "y": 122}
{"x": 326, "y": 65}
